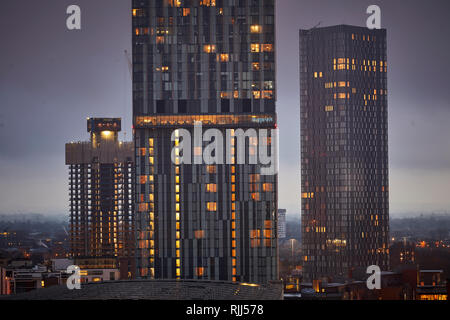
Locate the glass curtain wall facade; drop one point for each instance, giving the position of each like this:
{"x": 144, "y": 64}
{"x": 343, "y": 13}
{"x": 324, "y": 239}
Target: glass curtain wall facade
{"x": 210, "y": 62}
{"x": 344, "y": 151}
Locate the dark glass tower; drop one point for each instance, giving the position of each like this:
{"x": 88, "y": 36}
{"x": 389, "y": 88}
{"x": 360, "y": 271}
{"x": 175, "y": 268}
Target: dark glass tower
{"x": 344, "y": 150}
{"x": 101, "y": 204}
{"x": 210, "y": 62}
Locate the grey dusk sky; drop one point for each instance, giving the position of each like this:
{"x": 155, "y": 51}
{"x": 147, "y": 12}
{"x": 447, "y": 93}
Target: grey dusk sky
{"x": 51, "y": 79}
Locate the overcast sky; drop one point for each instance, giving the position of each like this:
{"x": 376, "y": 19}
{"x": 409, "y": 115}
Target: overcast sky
{"x": 51, "y": 79}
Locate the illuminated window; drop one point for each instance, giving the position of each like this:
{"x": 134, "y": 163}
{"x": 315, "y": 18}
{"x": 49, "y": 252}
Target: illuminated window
{"x": 211, "y": 169}
{"x": 254, "y": 243}
{"x": 268, "y": 47}
{"x": 211, "y": 187}
{"x": 225, "y": 95}
{"x": 208, "y": 3}
{"x": 329, "y": 108}
{"x": 211, "y": 206}
{"x": 200, "y": 271}
{"x": 256, "y": 66}
{"x": 267, "y": 187}
{"x": 254, "y": 47}
{"x": 142, "y": 151}
{"x": 199, "y": 234}
{"x": 267, "y": 94}
{"x": 186, "y": 12}
{"x": 256, "y": 94}
{"x": 255, "y": 196}
{"x": 143, "y": 179}
{"x": 255, "y": 28}
{"x": 224, "y": 57}
{"x": 209, "y": 48}
{"x": 254, "y": 178}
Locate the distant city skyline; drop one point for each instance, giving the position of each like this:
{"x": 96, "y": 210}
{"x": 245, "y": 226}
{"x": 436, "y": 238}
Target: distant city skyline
{"x": 53, "y": 78}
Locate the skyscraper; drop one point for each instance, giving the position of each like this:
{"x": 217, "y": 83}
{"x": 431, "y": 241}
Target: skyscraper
{"x": 281, "y": 223}
{"x": 344, "y": 150}
{"x": 209, "y": 62}
{"x": 101, "y": 203}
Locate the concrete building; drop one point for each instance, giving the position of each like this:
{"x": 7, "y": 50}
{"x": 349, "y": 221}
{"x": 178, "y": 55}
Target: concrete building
{"x": 101, "y": 196}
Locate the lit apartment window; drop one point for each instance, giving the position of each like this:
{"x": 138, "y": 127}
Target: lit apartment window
{"x": 224, "y": 57}
{"x": 254, "y": 47}
{"x": 199, "y": 234}
{"x": 211, "y": 206}
{"x": 211, "y": 187}
{"x": 209, "y": 48}
{"x": 211, "y": 169}
{"x": 268, "y": 47}
{"x": 208, "y": 3}
{"x": 200, "y": 271}
{"x": 255, "y": 28}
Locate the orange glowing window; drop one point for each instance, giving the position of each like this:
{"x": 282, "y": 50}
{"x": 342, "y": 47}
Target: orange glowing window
{"x": 143, "y": 179}
{"x": 199, "y": 234}
{"x": 256, "y": 94}
{"x": 268, "y": 233}
{"x": 225, "y": 95}
{"x": 159, "y": 39}
{"x": 200, "y": 271}
{"x": 211, "y": 187}
{"x": 209, "y": 48}
{"x": 267, "y": 187}
{"x": 254, "y": 178}
{"x": 255, "y": 28}
{"x": 255, "y": 196}
{"x": 256, "y": 66}
{"x": 211, "y": 169}
{"x": 254, "y": 47}
{"x": 143, "y": 207}
{"x": 268, "y": 224}
{"x": 268, "y": 47}
{"x": 224, "y": 57}
{"x": 186, "y": 12}
{"x": 254, "y": 233}
{"x": 267, "y": 94}
{"x": 142, "y": 151}
{"x": 211, "y": 206}
{"x": 208, "y": 3}
{"x": 254, "y": 243}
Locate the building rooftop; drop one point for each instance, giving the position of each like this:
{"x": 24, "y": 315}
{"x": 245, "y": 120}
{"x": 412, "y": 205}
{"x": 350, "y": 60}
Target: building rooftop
{"x": 157, "y": 290}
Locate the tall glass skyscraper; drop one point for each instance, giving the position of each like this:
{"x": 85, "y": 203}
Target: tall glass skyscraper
{"x": 210, "y": 62}
{"x": 344, "y": 150}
